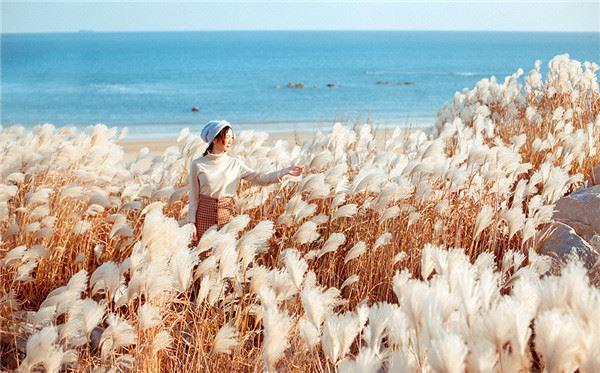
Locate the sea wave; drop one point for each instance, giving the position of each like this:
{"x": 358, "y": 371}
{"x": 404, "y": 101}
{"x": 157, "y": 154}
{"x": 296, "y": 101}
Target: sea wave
{"x": 101, "y": 88}
{"x": 26, "y": 88}
{"x": 108, "y": 88}
{"x": 436, "y": 73}
{"x": 468, "y": 73}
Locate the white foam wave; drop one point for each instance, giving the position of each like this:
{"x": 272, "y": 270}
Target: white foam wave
{"x": 126, "y": 88}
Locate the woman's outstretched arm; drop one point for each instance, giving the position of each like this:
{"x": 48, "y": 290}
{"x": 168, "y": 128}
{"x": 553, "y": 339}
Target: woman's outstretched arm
{"x": 258, "y": 178}
{"x": 194, "y": 190}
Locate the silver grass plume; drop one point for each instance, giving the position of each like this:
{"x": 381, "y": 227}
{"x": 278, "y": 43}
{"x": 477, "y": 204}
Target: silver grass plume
{"x": 106, "y": 277}
{"x": 181, "y": 265}
{"x": 295, "y": 266}
{"x": 382, "y": 240}
{"x": 515, "y": 219}
{"x": 307, "y": 233}
{"x": 558, "y": 340}
{"x": 356, "y": 251}
{"x": 149, "y": 316}
{"x": 318, "y": 304}
{"x": 346, "y": 211}
{"x": 43, "y": 348}
{"x": 366, "y": 361}
{"x": 379, "y": 315}
{"x": 64, "y": 296}
{"x": 334, "y": 241}
{"x": 337, "y": 200}
{"x": 279, "y": 281}
{"x": 119, "y": 333}
{"x": 277, "y": 325}
{"x": 349, "y": 281}
{"x": 162, "y": 340}
{"x": 483, "y": 220}
{"x": 225, "y": 340}
{"x": 236, "y": 225}
{"x": 447, "y": 353}
{"x": 339, "y": 332}
{"x": 253, "y": 241}
{"x": 84, "y": 316}
{"x": 309, "y": 333}
{"x": 228, "y": 264}
{"x": 389, "y": 213}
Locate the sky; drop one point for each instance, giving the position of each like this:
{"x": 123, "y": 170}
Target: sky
{"x": 52, "y": 16}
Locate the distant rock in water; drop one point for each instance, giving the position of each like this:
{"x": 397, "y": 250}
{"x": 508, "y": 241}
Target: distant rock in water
{"x": 196, "y": 109}
{"x": 330, "y": 85}
{"x": 385, "y": 82}
{"x": 295, "y": 85}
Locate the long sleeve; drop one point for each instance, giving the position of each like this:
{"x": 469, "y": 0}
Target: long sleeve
{"x": 194, "y": 190}
{"x": 257, "y": 178}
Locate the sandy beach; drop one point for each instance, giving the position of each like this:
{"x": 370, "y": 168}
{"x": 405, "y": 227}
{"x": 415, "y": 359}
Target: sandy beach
{"x": 158, "y": 146}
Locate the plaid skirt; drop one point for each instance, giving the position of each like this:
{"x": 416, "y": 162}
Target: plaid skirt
{"x": 213, "y": 211}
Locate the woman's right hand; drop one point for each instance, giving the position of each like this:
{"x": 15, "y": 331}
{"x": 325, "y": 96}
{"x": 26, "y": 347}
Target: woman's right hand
{"x": 295, "y": 170}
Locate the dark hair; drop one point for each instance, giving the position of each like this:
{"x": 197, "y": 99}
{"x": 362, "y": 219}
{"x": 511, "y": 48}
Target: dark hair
{"x": 220, "y": 136}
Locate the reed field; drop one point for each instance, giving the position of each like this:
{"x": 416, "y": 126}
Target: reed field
{"x": 415, "y": 253}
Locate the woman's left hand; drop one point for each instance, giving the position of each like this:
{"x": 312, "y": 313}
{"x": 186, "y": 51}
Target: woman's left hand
{"x": 295, "y": 171}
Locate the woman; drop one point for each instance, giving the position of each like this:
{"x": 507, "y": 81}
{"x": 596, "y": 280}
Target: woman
{"x": 215, "y": 176}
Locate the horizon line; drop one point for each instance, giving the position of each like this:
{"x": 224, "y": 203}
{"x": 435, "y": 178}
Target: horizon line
{"x": 92, "y": 31}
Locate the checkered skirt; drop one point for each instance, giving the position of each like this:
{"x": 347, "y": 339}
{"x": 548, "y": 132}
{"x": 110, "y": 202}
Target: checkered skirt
{"x": 213, "y": 211}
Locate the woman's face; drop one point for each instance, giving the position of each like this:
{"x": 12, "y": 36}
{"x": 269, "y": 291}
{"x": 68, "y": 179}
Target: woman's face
{"x": 224, "y": 143}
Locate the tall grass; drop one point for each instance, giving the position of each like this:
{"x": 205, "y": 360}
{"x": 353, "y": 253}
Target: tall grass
{"x": 411, "y": 252}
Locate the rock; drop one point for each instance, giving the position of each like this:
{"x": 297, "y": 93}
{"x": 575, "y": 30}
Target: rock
{"x": 196, "y": 109}
{"x": 385, "y": 82}
{"x": 95, "y": 336}
{"x": 330, "y": 85}
{"x": 581, "y": 211}
{"x": 295, "y": 85}
{"x": 562, "y": 243}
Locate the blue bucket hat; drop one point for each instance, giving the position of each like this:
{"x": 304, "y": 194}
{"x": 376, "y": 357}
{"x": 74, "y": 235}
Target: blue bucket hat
{"x": 212, "y": 129}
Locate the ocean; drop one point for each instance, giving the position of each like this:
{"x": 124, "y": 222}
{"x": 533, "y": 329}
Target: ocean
{"x": 150, "y": 81}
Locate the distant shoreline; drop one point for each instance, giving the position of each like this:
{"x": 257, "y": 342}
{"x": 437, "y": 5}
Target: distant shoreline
{"x": 299, "y": 30}
{"x": 137, "y": 132}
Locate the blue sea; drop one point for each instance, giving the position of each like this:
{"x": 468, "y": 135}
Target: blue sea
{"x": 150, "y": 81}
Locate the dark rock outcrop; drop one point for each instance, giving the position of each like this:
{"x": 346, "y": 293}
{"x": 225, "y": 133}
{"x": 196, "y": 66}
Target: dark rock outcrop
{"x": 575, "y": 229}
{"x": 563, "y": 243}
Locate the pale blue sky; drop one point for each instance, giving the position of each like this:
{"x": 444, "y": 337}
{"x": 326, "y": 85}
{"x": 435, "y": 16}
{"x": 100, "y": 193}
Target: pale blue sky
{"x": 51, "y": 16}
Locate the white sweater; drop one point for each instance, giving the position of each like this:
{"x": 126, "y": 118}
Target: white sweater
{"x": 218, "y": 175}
